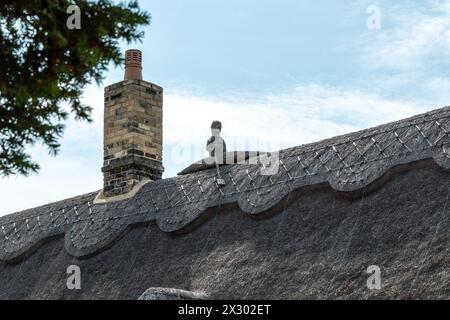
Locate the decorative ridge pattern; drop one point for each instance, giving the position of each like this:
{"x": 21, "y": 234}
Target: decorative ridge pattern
{"x": 348, "y": 163}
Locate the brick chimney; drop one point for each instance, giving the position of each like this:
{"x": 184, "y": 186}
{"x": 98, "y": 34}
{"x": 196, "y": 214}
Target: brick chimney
{"x": 132, "y": 130}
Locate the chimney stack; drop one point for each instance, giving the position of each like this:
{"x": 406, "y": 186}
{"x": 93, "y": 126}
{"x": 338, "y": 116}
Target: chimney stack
{"x": 132, "y": 130}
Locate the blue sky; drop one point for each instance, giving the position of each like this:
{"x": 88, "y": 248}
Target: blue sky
{"x": 276, "y": 73}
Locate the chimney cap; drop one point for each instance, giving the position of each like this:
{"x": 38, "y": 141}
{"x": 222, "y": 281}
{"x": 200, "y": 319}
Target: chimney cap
{"x": 133, "y": 64}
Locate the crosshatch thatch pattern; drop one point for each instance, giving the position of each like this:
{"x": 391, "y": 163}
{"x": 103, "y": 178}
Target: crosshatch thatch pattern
{"x": 347, "y": 163}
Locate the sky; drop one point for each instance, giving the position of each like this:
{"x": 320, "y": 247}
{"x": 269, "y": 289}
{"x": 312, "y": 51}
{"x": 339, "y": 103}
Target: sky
{"x": 276, "y": 73}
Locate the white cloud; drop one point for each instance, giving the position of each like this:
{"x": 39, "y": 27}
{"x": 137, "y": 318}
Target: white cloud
{"x": 302, "y": 115}
{"x": 420, "y": 35}
{"x": 284, "y": 119}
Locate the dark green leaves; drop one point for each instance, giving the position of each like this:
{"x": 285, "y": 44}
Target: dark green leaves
{"x": 44, "y": 66}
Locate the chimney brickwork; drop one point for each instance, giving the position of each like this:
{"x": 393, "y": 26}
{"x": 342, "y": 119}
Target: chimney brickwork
{"x": 133, "y": 131}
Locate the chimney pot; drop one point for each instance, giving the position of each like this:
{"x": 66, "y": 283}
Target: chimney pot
{"x": 133, "y": 65}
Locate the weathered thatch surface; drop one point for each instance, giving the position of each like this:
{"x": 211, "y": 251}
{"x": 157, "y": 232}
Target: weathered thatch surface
{"x": 318, "y": 247}
{"x": 376, "y": 197}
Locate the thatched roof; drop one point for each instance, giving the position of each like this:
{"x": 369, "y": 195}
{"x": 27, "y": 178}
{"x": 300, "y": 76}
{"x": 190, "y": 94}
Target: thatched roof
{"x": 308, "y": 231}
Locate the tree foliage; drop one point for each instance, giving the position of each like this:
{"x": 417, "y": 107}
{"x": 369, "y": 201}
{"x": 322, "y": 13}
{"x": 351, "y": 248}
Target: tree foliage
{"x": 44, "y": 67}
